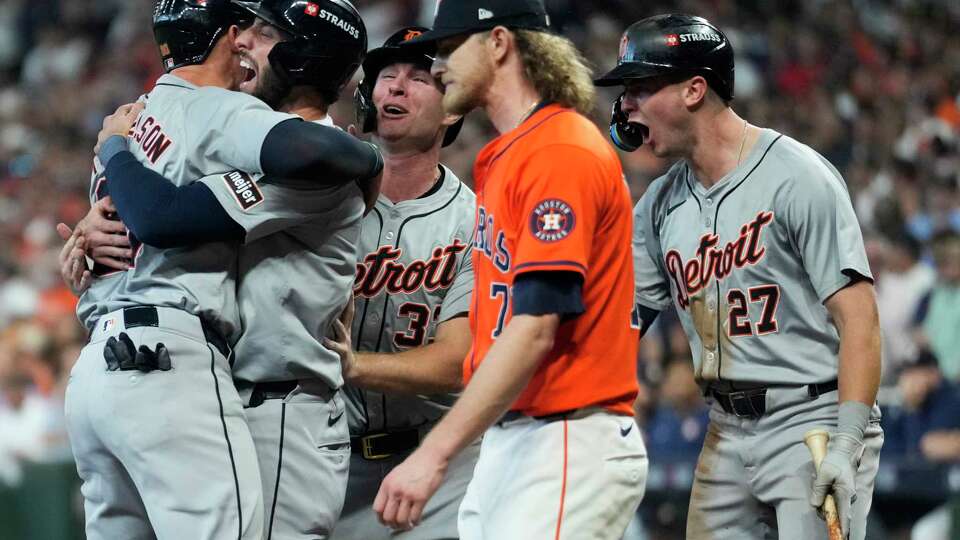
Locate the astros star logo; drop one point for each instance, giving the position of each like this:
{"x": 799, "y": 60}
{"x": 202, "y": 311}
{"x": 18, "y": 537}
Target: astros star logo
{"x": 552, "y": 220}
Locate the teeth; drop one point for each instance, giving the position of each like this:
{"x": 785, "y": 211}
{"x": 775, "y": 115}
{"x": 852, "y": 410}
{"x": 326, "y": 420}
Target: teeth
{"x": 246, "y": 65}
{"x": 392, "y": 109}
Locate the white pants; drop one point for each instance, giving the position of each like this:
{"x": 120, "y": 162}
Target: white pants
{"x": 303, "y": 448}
{"x": 754, "y": 476}
{"x": 166, "y": 454}
{"x": 578, "y": 478}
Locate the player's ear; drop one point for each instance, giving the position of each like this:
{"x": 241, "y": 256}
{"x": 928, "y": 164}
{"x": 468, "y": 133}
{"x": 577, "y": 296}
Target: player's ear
{"x": 695, "y": 91}
{"x": 450, "y": 119}
{"x": 498, "y": 43}
{"x": 232, "y": 33}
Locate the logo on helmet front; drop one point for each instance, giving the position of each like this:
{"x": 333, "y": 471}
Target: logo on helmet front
{"x": 412, "y": 34}
{"x": 673, "y": 40}
{"x": 312, "y": 9}
{"x": 623, "y": 47}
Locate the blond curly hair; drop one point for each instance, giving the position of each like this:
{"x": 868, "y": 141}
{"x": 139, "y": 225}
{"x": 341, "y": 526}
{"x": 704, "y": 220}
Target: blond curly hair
{"x": 557, "y": 70}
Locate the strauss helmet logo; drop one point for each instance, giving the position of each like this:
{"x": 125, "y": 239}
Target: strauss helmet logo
{"x": 412, "y": 34}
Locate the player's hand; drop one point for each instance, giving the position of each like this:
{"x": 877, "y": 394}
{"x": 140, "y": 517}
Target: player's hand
{"x": 343, "y": 343}
{"x": 837, "y": 475}
{"x": 406, "y": 490}
{"x": 106, "y": 236}
{"x": 73, "y": 261}
{"x": 118, "y": 123}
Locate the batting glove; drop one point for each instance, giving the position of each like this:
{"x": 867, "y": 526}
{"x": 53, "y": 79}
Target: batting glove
{"x": 837, "y": 475}
{"x": 838, "y": 470}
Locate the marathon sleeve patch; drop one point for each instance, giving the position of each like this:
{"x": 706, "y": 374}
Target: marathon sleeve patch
{"x": 244, "y": 189}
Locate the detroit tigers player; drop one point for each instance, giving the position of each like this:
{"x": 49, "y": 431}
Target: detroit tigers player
{"x": 412, "y": 292}
{"x": 146, "y": 422}
{"x": 300, "y": 61}
{"x": 751, "y": 236}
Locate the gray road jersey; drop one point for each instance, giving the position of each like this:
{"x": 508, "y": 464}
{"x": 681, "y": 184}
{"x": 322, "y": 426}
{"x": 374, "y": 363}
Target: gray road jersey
{"x": 749, "y": 262}
{"x": 295, "y": 273}
{"x": 185, "y": 133}
{"x": 414, "y": 271}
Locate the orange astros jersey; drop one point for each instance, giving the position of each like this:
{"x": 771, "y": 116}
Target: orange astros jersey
{"x": 551, "y": 197}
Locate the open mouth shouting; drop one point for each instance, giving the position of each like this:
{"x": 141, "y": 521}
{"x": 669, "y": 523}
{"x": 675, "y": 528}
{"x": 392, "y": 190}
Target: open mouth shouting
{"x": 393, "y": 111}
{"x": 248, "y": 82}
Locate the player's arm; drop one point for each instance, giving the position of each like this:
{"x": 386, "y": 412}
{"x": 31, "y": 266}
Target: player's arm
{"x": 651, "y": 288}
{"x": 158, "y": 212}
{"x": 251, "y": 137}
{"x": 824, "y": 229}
{"x": 505, "y": 371}
{"x": 431, "y": 369}
{"x": 854, "y": 312}
{"x": 246, "y": 134}
{"x": 295, "y": 151}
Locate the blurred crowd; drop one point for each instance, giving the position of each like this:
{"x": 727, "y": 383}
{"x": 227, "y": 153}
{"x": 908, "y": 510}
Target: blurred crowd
{"x": 873, "y": 85}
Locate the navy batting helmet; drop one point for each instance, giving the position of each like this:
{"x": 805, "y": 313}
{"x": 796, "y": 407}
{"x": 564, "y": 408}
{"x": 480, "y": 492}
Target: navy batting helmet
{"x": 676, "y": 43}
{"x": 187, "y": 30}
{"x": 329, "y": 41}
{"x": 392, "y": 52}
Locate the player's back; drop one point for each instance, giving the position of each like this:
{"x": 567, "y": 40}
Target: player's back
{"x": 292, "y": 285}
{"x": 552, "y": 197}
{"x": 184, "y": 133}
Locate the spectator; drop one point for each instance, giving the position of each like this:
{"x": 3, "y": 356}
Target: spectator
{"x": 928, "y": 422}
{"x": 928, "y": 427}
{"x": 940, "y": 312}
{"x": 902, "y": 281}
{"x": 676, "y": 430}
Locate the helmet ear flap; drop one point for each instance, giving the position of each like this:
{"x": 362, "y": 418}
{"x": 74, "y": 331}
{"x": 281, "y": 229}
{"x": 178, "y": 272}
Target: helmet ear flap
{"x": 366, "y": 110}
{"x": 626, "y": 135}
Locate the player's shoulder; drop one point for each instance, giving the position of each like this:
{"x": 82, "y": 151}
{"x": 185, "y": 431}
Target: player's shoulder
{"x": 226, "y": 98}
{"x": 461, "y": 191}
{"x": 560, "y": 127}
{"x": 803, "y": 165}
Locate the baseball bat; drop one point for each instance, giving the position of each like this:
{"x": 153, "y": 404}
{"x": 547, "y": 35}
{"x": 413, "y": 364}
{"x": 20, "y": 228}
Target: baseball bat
{"x": 816, "y": 441}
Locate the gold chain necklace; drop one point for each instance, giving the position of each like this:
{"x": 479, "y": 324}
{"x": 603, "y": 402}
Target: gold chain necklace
{"x": 526, "y": 113}
{"x": 743, "y": 139}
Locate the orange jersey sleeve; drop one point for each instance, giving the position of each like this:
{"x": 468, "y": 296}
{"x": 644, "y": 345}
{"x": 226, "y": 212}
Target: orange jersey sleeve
{"x": 557, "y": 202}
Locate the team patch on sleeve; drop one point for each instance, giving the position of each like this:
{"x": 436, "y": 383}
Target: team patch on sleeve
{"x": 551, "y": 220}
{"x": 244, "y": 189}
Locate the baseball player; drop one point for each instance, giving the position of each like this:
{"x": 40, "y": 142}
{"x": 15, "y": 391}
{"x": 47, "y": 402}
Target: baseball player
{"x": 151, "y": 407}
{"x": 287, "y": 380}
{"x": 752, "y": 237}
{"x": 552, "y": 369}
{"x": 412, "y": 292}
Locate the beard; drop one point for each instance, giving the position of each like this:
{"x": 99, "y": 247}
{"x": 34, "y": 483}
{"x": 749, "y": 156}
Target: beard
{"x": 271, "y": 88}
{"x": 464, "y": 97}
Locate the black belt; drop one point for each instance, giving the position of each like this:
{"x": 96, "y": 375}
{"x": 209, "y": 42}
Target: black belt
{"x": 270, "y": 390}
{"x": 137, "y": 316}
{"x": 752, "y": 402}
{"x": 376, "y": 446}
